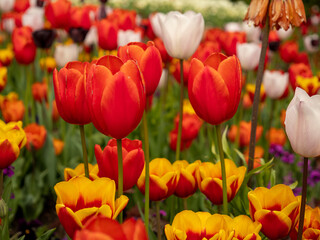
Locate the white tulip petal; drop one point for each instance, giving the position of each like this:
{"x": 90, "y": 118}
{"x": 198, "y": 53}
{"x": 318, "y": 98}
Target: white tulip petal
{"x": 275, "y": 83}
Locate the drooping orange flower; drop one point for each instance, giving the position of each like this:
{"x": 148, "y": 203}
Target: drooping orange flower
{"x": 133, "y": 161}
{"x": 277, "y": 136}
{"x": 80, "y": 198}
{"x": 215, "y": 87}
{"x": 36, "y": 136}
{"x": 149, "y": 61}
{"x": 12, "y": 139}
{"x": 210, "y": 180}
{"x": 245, "y": 130}
{"x": 163, "y": 179}
{"x": 40, "y": 91}
{"x": 257, "y": 12}
{"x": 187, "y": 184}
{"x": 79, "y": 171}
{"x": 277, "y": 209}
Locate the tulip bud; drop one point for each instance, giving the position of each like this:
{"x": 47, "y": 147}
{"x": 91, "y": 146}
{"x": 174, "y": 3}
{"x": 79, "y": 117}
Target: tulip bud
{"x": 3, "y": 208}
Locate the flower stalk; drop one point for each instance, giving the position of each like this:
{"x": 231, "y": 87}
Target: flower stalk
{"x": 84, "y": 150}
{"x": 303, "y": 198}
{"x": 180, "y": 112}
{"x": 120, "y": 173}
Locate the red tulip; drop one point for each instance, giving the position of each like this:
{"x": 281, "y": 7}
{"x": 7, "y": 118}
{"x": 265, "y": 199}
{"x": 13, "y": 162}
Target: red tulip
{"x": 205, "y": 49}
{"x": 107, "y": 35}
{"x": 116, "y": 96}
{"x": 23, "y": 45}
{"x": 215, "y": 87}
{"x": 58, "y": 12}
{"x": 125, "y": 19}
{"x": 70, "y": 93}
{"x": 149, "y": 60}
{"x": 133, "y": 161}
{"x": 289, "y": 51}
{"x": 298, "y": 69}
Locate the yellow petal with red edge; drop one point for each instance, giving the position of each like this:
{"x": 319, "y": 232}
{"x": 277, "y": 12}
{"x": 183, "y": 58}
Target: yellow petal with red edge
{"x": 68, "y": 219}
{"x": 311, "y": 233}
{"x": 120, "y": 204}
{"x": 253, "y": 236}
{"x": 84, "y": 214}
{"x": 174, "y": 234}
{"x": 67, "y": 193}
{"x": 158, "y": 188}
{"x": 292, "y": 211}
{"x": 254, "y": 203}
{"x": 188, "y": 222}
{"x": 160, "y": 166}
{"x": 243, "y": 227}
{"x": 105, "y": 210}
{"x": 275, "y": 224}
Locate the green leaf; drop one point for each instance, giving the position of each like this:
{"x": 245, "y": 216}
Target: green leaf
{"x": 293, "y": 185}
{"x": 225, "y": 144}
{"x": 46, "y": 235}
{"x": 258, "y": 170}
{"x": 272, "y": 177}
{"x": 241, "y": 156}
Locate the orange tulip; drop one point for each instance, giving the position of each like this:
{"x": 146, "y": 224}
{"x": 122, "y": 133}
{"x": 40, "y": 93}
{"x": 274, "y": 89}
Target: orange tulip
{"x": 80, "y": 198}
{"x": 115, "y": 92}
{"x": 40, "y": 91}
{"x": 149, "y": 61}
{"x": 311, "y": 225}
{"x": 23, "y": 45}
{"x": 215, "y": 87}
{"x": 258, "y": 154}
{"x": 21, "y": 5}
{"x": 125, "y": 19}
{"x": 277, "y": 136}
{"x": 229, "y": 41}
{"x": 79, "y": 171}
{"x": 245, "y": 129}
{"x": 163, "y": 179}
{"x": 210, "y": 183}
{"x": 36, "y": 136}
{"x": 133, "y": 161}
{"x": 107, "y": 34}
{"x": 12, "y": 108}
{"x": 58, "y": 146}
{"x": 187, "y": 184}
{"x": 277, "y": 209}
{"x": 69, "y": 91}
{"x": 58, "y": 12}
{"x": 134, "y": 229}
{"x": 12, "y": 139}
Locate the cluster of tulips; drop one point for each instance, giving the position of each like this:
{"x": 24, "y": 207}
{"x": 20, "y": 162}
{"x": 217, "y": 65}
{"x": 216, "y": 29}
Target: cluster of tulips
{"x": 106, "y": 68}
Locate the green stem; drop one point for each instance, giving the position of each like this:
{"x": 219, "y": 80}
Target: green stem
{"x": 147, "y": 180}
{"x": 158, "y": 220}
{"x": 180, "y": 112}
{"x": 303, "y": 197}
{"x": 1, "y": 183}
{"x": 120, "y": 174}
{"x": 26, "y": 96}
{"x": 84, "y": 150}
{"x": 223, "y": 170}
{"x": 256, "y": 100}
{"x": 185, "y": 203}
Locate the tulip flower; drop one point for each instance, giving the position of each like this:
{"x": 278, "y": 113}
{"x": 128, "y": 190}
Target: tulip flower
{"x": 36, "y": 136}
{"x": 163, "y": 179}
{"x": 23, "y": 45}
{"x": 249, "y": 55}
{"x": 125, "y": 19}
{"x": 3, "y": 77}
{"x": 311, "y": 43}
{"x": 163, "y": 52}
{"x": 48, "y": 64}
{"x": 176, "y": 72}
{"x": 58, "y": 146}
{"x": 298, "y": 69}
{"x": 210, "y": 183}
{"x": 149, "y": 61}
{"x": 277, "y": 209}
{"x": 244, "y": 228}
{"x": 155, "y": 23}
{"x": 64, "y": 54}
{"x": 6, "y": 5}
{"x": 44, "y": 38}
{"x": 33, "y": 18}
{"x": 311, "y": 85}
{"x": 215, "y": 87}
{"x": 253, "y": 33}
{"x": 311, "y": 226}
{"x": 230, "y": 40}
{"x": 250, "y": 88}
{"x": 276, "y": 84}
{"x": 125, "y": 37}
{"x": 115, "y": 92}
{"x": 180, "y": 43}
{"x": 276, "y": 136}
{"x": 289, "y": 51}
{"x": 21, "y": 5}
{"x": 12, "y": 108}
{"x": 133, "y": 161}
{"x": 69, "y": 173}
{"x": 284, "y": 34}
{"x": 302, "y": 116}
{"x": 12, "y": 139}
{"x": 40, "y": 91}
{"x": 70, "y": 93}
{"x": 187, "y": 184}
{"x": 58, "y": 12}
{"x": 80, "y": 198}
{"x": 205, "y": 49}
{"x": 6, "y": 56}
{"x": 107, "y": 34}
{"x": 100, "y": 227}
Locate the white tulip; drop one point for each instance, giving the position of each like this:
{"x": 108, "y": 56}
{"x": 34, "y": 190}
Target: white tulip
{"x": 315, "y": 20}
{"x": 125, "y": 37}
{"x": 285, "y": 34}
{"x": 302, "y": 123}
{"x": 182, "y": 33}
{"x": 252, "y": 33}
{"x": 66, "y": 53}
{"x": 155, "y": 23}
{"x": 233, "y": 27}
{"x": 8, "y": 24}
{"x": 249, "y": 55}
{"x": 275, "y": 83}
{"x": 91, "y": 37}
{"x": 6, "y": 5}
{"x": 311, "y": 43}
{"x": 34, "y": 18}
{"x": 164, "y": 79}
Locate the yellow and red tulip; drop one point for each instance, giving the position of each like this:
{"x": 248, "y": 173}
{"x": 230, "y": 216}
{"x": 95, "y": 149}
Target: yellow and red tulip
{"x": 79, "y": 171}
{"x": 12, "y": 139}
{"x": 3, "y": 77}
{"x": 163, "y": 179}
{"x": 277, "y": 209}
{"x": 80, "y": 198}
{"x": 210, "y": 183}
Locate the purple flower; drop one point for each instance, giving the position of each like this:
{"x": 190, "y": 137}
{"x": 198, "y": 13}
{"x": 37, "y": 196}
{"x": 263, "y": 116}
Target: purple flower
{"x": 288, "y": 158}
{"x": 314, "y": 177}
{"x": 9, "y": 171}
{"x": 297, "y": 191}
{"x": 163, "y": 213}
{"x": 276, "y": 150}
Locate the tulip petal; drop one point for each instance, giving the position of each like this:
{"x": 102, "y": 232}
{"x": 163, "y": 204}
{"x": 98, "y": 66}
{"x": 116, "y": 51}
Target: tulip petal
{"x": 214, "y": 60}
{"x": 8, "y": 153}
{"x": 68, "y": 219}
{"x": 120, "y": 204}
